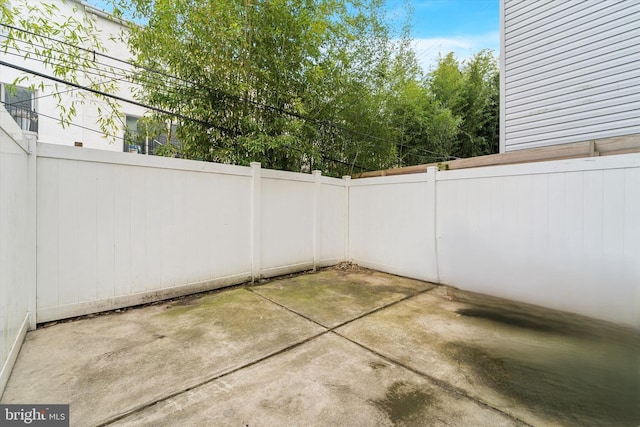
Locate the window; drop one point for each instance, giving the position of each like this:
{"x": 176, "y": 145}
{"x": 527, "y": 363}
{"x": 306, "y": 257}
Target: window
{"x": 144, "y": 137}
{"x": 132, "y": 142}
{"x": 20, "y": 103}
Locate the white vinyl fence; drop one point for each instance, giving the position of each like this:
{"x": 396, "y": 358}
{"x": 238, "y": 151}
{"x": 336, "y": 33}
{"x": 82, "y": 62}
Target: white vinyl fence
{"x": 17, "y": 240}
{"x": 115, "y": 229}
{"x": 391, "y": 224}
{"x": 561, "y": 234}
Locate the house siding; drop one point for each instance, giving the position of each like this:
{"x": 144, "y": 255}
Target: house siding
{"x": 84, "y": 126}
{"x": 571, "y": 71}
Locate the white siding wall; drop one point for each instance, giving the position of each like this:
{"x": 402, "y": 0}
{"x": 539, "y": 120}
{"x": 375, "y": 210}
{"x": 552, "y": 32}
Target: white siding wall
{"x": 571, "y": 71}
{"x": 85, "y": 128}
{"x": 17, "y": 241}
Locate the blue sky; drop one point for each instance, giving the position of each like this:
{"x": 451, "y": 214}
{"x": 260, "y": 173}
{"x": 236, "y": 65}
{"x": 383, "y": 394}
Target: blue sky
{"x": 462, "y": 26}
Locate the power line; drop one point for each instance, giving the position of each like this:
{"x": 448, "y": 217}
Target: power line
{"x": 117, "y": 98}
{"x": 93, "y": 52}
{"x": 39, "y": 114}
{"x": 191, "y": 84}
{"x": 111, "y": 70}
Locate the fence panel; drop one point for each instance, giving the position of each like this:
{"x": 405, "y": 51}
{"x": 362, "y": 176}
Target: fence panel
{"x": 287, "y": 221}
{"x": 331, "y": 231}
{"x": 562, "y": 234}
{"x": 116, "y": 229}
{"x": 391, "y": 225}
{"x": 17, "y": 241}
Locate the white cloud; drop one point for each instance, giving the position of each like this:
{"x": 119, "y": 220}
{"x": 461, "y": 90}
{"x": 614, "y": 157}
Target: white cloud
{"x": 464, "y": 47}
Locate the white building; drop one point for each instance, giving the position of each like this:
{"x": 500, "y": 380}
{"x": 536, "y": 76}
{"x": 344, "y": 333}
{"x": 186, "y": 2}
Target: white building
{"x": 39, "y": 111}
{"x": 570, "y": 72}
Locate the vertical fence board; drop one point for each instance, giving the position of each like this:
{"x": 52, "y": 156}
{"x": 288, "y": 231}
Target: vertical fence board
{"x": 88, "y": 226}
{"x": 123, "y": 222}
{"x": 67, "y": 230}
{"x": 104, "y": 244}
{"x": 47, "y": 223}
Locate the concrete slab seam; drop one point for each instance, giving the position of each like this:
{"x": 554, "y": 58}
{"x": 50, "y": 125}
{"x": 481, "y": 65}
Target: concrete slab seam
{"x": 259, "y": 360}
{"x": 360, "y": 316}
{"x": 146, "y": 405}
{"x": 436, "y": 382}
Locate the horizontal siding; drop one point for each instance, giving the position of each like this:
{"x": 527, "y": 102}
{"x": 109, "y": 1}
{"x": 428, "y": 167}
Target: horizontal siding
{"x": 607, "y": 25}
{"x": 578, "y": 113}
{"x": 572, "y": 71}
{"x": 621, "y": 52}
{"x": 615, "y": 119}
{"x": 574, "y": 86}
{"x": 576, "y": 135}
{"x": 565, "y": 19}
{"x": 517, "y": 8}
{"x": 611, "y": 38}
{"x": 536, "y": 12}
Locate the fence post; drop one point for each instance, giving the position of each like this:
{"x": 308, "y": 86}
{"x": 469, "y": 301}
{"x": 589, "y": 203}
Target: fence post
{"x": 347, "y": 184}
{"x": 317, "y": 231}
{"x": 256, "y": 223}
{"x": 32, "y": 220}
{"x": 432, "y": 214}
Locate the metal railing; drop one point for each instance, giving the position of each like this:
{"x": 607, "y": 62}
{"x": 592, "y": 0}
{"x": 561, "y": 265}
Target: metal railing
{"x": 24, "y": 116}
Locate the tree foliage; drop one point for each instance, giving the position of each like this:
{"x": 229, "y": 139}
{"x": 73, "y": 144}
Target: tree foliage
{"x": 453, "y": 113}
{"x": 295, "y": 84}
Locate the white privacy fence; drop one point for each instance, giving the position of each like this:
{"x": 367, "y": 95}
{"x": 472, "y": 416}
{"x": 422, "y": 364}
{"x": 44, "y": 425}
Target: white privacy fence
{"x": 114, "y": 229}
{"x": 561, "y": 234}
{"x": 17, "y": 240}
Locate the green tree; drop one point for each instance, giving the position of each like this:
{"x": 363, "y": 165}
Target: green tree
{"x": 477, "y": 105}
{"x": 295, "y": 84}
{"x": 465, "y": 121}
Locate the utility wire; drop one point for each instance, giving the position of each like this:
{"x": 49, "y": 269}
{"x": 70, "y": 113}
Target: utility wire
{"x": 127, "y": 74}
{"x": 117, "y": 98}
{"x": 75, "y": 125}
{"x": 163, "y": 74}
{"x": 190, "y": 83}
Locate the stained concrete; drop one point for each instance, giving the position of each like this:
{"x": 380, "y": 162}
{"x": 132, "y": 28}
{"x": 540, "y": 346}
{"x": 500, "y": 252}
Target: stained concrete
{"x": 541, "y": 366}
{"x": 328, "y": 381}
{"x": 338, "y": 296}
{"x": 334, "y": 348}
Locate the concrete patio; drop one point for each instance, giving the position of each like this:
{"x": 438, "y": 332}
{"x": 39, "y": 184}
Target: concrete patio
{"x": 345, "y": 346}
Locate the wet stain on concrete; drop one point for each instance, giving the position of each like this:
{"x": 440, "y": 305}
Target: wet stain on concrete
{"x": 536, "y": 318}
{"x": 404, "y": 403}
{"x": 573, "y": 369}
{"x": 518, "y": 319}
{"x": 587, "y": 383}
{"x": 334, "y": 296}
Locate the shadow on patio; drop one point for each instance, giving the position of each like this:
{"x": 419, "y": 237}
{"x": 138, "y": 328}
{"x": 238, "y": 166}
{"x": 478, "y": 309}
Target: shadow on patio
{"x": 345, "y": 346}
